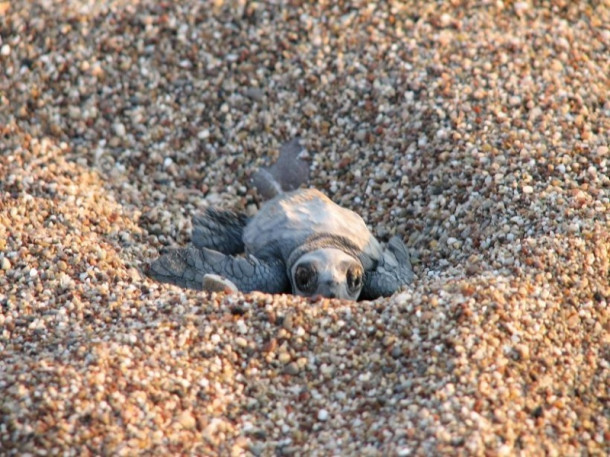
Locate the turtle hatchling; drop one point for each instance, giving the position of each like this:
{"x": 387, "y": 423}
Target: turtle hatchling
{"x": 299, "y": 241}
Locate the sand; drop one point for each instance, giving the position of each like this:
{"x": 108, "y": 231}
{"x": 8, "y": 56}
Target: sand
{"x": 476, "y": 131}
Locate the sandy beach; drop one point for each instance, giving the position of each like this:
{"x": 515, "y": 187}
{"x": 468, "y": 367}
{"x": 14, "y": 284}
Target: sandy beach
{"x": 478, "y": 132}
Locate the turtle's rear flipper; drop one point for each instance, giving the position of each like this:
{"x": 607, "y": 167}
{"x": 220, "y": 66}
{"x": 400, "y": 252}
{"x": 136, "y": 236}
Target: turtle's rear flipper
{"x": 288, "y": 173}
{"x": 221, "y": 230}
{"x": 186, "y": 267}
{"x": 393, "y": 271}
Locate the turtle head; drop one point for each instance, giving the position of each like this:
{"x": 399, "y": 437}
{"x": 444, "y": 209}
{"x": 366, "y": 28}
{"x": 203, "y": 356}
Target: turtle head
{"x": 328, "y": 272}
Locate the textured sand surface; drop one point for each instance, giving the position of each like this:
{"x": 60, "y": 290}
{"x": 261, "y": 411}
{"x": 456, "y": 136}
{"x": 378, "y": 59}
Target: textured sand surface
{"x": 477, "y": 131}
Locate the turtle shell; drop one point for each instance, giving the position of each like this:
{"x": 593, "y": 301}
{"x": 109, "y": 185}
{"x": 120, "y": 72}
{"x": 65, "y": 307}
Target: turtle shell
{"x": 291, "y": 220}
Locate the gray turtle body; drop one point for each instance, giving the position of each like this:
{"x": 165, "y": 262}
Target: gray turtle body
{"x": 299, "y": 241}
{"x": 290, "y": 220}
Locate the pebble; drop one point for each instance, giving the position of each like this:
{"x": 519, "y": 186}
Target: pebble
{"x": 292, "y": 369}
{"x": 255, "y": 93}
{"x": 323, "y": 415}
{"x": 119, "y": 129}
{"x": 520, "y": 7}
{"x": 186, "y": 420}
{"x": 284, "y": 357}
{"x": 241, "y": 342}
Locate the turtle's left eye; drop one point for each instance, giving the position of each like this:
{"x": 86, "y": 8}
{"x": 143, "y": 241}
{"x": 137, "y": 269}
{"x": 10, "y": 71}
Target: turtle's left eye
{"x": 354, "y": 279}
{"x": 306, "y": 278}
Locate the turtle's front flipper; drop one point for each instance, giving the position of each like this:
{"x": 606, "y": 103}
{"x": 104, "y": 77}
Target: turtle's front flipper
{"x": 221, "y": 230}
{"x": 393, "y": 271}
{"x": 288, "y": 173}
{"x": 186, "y": 267}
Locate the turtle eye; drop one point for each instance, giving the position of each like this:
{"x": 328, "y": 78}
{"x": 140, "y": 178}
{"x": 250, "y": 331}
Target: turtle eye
{"x": 306, "y": 278}
{"x": 354, "y": 279}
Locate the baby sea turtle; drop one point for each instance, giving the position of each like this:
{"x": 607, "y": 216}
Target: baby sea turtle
{"x": 299, "y": 242}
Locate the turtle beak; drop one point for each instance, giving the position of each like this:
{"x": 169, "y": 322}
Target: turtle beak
{"x": 329, "y": 289}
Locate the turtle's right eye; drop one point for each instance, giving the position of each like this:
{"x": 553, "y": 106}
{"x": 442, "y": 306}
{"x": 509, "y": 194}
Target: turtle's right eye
{"x": 306, "y": 278}
{"x": 354, "y": 279}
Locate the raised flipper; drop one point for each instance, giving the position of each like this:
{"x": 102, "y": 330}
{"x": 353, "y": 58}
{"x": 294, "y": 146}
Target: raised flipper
{"x": 186, "y": 267}
{"x": 288, "y": 173}
{"x": 220, "y": 230}
{"x": 393, "y": 271}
